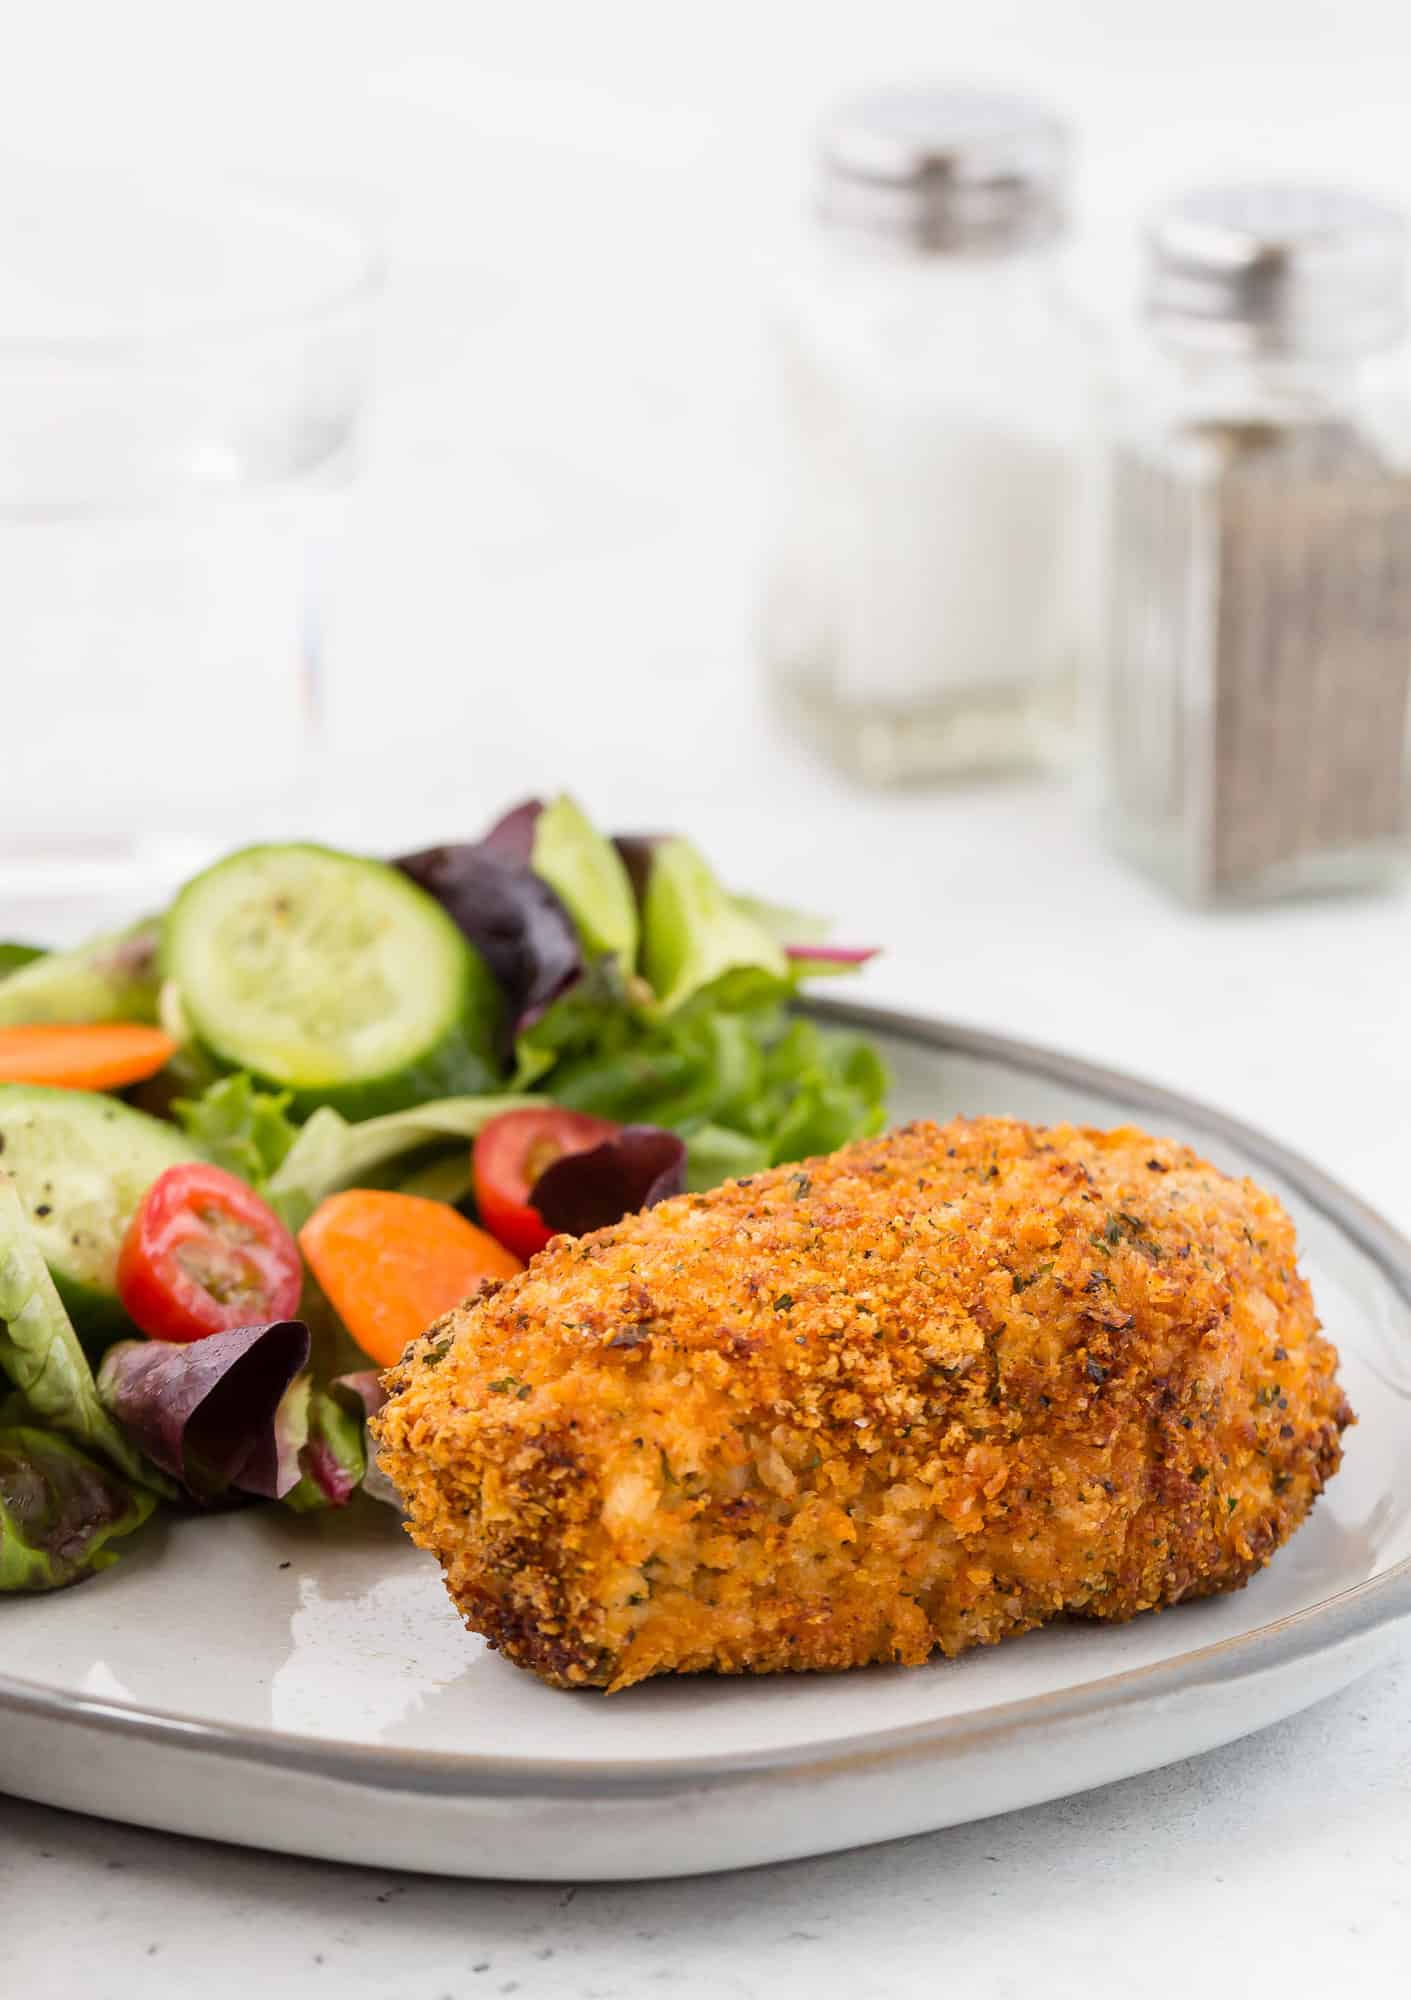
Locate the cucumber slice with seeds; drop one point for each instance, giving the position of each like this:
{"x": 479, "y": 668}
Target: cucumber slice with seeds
{"x": 81, "y": 1162}
{"x": 333, "y": 977}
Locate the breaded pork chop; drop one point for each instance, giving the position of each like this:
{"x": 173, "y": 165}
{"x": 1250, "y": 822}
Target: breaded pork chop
{"x": 934, "y": 1390}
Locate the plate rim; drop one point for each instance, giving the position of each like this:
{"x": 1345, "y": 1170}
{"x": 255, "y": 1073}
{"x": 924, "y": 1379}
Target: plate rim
{"x": 1340, "y": 1619}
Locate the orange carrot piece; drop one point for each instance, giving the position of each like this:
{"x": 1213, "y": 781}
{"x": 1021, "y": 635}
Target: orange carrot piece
{"x": 390, "y": 1264}
{"x": 74, "y": 1055}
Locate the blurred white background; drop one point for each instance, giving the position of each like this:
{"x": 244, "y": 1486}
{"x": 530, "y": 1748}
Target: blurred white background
{"x": 557, "y": 539}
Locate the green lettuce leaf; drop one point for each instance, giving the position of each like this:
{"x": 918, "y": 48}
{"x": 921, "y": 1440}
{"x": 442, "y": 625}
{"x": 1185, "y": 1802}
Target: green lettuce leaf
{"x": 696, "y": 1066}
{"x": 744, "y": 1089}
{"x": 331, "y": 1152}
{"x": 784, "y": 924}
{"x": 715, "y": 1153}
{"x": 111, "y": 978}
{"x": 447, "y": 1177}
{"x": 595, "y": 1015}
{"x": 819, "y": 1090}
{"x": 587, "y": 874}
{"x": 825, "y": 1108}
{"x": 239, "y": 1126}
{"x": 59, "y": 1510}
{"x": 13, "y": 956}
{"x": 40, "y": 1352}
{"x": 813, "y": 1091}
{"x": 332, "y": 1449}
{"x": 633, "y": 1076}
{"x": 696, "y": 938}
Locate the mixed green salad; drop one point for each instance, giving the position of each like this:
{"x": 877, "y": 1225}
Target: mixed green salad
{"x": 251, "y": 1146}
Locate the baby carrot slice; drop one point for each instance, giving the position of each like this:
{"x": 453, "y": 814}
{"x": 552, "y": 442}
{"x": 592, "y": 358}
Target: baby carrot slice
{"x": 392, "y": 1263}
{"x": 72, "y": 1055}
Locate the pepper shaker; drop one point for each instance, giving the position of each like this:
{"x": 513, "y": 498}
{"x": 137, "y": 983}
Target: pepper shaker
{"x": 922, "y": 606}
{"x": 1258, "y": 657}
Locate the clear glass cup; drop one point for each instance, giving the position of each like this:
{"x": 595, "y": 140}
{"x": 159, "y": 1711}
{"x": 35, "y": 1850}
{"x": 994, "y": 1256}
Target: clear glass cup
{"x": 181, "y": 384}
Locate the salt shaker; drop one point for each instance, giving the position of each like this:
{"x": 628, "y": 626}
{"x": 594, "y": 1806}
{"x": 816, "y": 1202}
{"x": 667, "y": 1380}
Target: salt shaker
{"x": 922, "y": 607}
{"x": 1258, "y": 657}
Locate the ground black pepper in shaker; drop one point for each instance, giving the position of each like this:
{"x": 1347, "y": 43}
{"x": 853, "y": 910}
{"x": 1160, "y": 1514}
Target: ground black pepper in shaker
{"x": 1258, "y": 649}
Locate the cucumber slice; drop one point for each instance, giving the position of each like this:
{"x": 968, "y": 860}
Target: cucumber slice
{"x": 333, "y": 977}
{"x": 81, "y": 1162}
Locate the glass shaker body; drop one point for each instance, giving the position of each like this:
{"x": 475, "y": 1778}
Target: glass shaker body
{"x": 1257, "y": 651}
{"x": 923, "y": 606}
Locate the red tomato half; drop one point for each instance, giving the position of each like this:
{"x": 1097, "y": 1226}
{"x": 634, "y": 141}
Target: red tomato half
{"x": 203, "y": 1253}
{"x": 511, "y": 1153}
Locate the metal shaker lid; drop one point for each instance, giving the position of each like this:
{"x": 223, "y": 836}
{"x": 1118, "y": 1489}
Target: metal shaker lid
{"x": 944, "y": 168}
{"x": 1291, "y": 270}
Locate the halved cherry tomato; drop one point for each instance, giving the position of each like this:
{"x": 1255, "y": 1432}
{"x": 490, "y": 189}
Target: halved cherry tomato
{"x": 202, "y": 1254}
{"x": 511, "y": 1153}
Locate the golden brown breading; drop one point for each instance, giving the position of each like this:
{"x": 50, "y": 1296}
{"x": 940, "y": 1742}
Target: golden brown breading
{"x": 934, "y": 1390}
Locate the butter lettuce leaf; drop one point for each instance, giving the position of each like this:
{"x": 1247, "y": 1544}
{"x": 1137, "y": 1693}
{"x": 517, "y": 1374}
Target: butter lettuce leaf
{"x": 239, "y": 1126}
{"x": 111, "y": 978}
{"x": 696, "y": 938}
{"x": 717, "y": 1153}
{"x": 784, "y": 923}
{"x": 587, "y": 874}
{"x": 333, "y": 1152}
{"x": 59, "y": 1510}
{"x": 41, "y": 1355}
{"x": 13, "y": 956}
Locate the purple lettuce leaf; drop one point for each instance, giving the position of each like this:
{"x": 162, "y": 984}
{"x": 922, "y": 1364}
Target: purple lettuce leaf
{"x": 636, "y": 1168}
{"x": 290, "y": 1435}
{"x": 512, "y": 835}
{"x": 636, "y": 850}
{"x": 332, "y": 1453}
{"x": 208, "y": 1412}
{"x": 329, "y": 1474}
{"x": 515, "y": 921}
{"x": 366, "y": 1386}
{"x": 830, "y": 957}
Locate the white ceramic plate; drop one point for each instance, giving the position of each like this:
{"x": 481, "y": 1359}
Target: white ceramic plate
{"x": 305, "y": 1685}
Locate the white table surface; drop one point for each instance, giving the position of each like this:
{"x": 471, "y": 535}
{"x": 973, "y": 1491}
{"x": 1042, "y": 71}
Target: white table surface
{"x": 1279, "y": 1866}
{"x": 550, "y": 580}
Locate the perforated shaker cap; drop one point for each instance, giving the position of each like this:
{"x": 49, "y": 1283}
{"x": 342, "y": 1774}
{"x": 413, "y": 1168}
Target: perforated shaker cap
{"x": 944, "y": 168}
{"x": 1291, "y": 270}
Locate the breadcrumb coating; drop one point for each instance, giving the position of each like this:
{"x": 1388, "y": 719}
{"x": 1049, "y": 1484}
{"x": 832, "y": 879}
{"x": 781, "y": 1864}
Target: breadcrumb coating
{"x": 932, "y": 1391}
